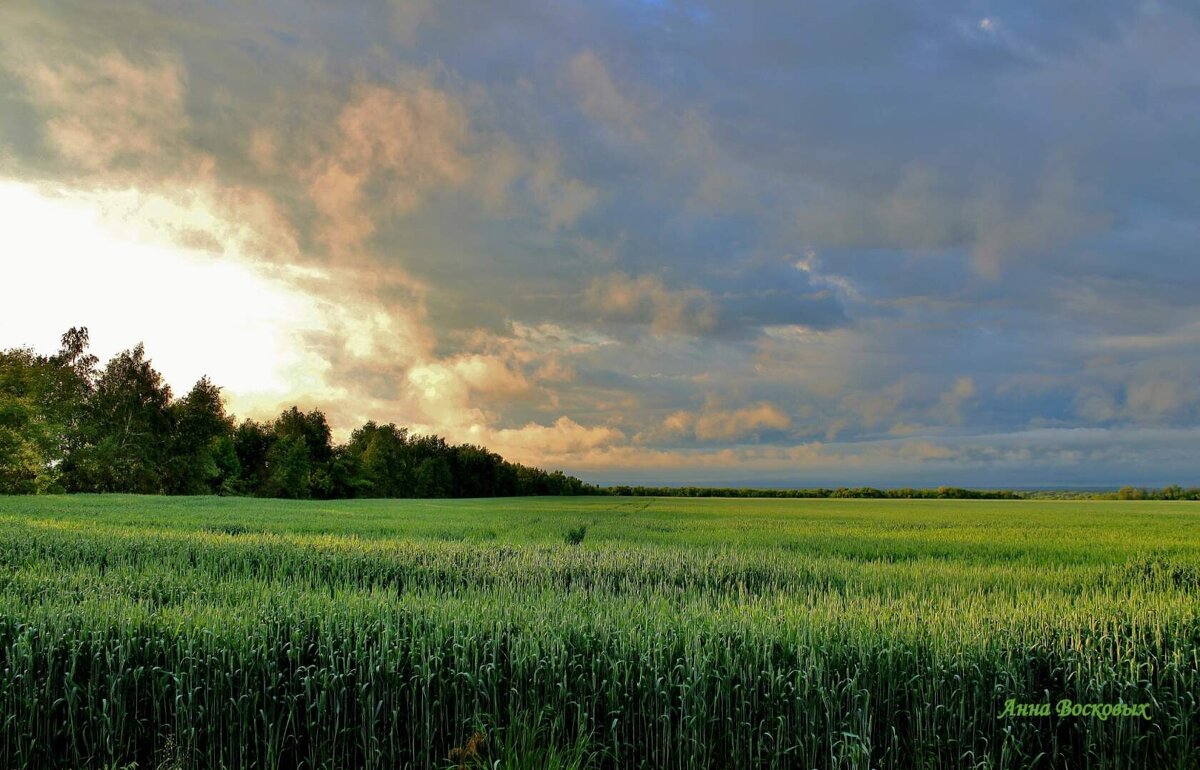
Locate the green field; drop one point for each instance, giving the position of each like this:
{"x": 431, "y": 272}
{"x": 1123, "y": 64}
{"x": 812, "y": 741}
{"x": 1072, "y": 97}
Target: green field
{"x": 676, "y": 633}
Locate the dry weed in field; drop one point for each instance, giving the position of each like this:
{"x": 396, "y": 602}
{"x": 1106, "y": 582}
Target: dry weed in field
{"x": 463, "y": 756}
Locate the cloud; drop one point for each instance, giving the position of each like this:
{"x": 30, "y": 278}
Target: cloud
{"x": 799, "y": 461}
{"x": 455, "y": 379}
{"x": 997, "y": 222}
{"x": 409, "y": 15}
{"x": 740, "y": 422}
{"x": 391, "y": 148}
{"x": 108, "y": 109}
{"x": 647, "y": 300}
{"x": 1163, "y": 390}
{"x": 875, "y": 407}
{"x": 564, "y": 199}
{"x": 602, "y": 100}
{"x": 712, "y": 424}
{"x": 1095, "y": 404}
{"x": 1154, "y": 398}
{"x": 680, "y": 143}
{"x": 1036, "y": 457}
{"x": 108, "y": 112}
{"x": 545, "y": 442}
{"x": 950, "y": 403}
{"x": 1008, "y": 229}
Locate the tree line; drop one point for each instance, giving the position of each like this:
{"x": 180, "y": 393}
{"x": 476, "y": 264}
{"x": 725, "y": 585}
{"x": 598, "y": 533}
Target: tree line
{"x": 906, "y": 493}
{"x": 69, "y": 425}
{"x": 1171, "y": 492}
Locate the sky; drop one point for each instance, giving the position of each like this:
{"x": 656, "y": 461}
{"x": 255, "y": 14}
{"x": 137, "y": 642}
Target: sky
{"x": 774, "y": 243}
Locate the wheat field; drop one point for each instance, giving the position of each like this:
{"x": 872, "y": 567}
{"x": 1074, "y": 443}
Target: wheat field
{"x": 157, "y": 632}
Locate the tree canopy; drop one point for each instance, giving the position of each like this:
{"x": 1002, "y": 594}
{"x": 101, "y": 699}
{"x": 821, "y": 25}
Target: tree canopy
{"x": 68, "y": 426}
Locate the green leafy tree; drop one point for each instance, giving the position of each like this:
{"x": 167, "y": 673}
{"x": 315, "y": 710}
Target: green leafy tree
{"x": 229, "y": 469}
{"x": 41, "y": 399}
{"x": 433, "y": 478}
{"x": 476, "y": 471}
{"x": 67, "y": 426}
{"x": 252, "y": 442}
{"x": 302, "y": 440}
{"x": 201, "y": 432}
{"x": 309, "y": 427}
{"x": 290, "y": 469}
{"x": 384, "y": 460}
{"x": 124, "y": 432}
{"x": 27, "y": 438}
{"x": 346, "y": 476}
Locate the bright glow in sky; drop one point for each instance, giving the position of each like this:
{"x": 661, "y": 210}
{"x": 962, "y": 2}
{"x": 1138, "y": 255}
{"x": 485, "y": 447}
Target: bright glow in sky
{"x": 197, "y": 313}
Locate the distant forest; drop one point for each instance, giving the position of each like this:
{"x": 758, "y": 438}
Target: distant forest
{"x": 67, "y": 425}
{"x": 1172, "y": 492}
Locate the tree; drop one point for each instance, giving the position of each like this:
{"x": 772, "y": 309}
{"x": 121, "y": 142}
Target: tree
{"x": 312, "y": 428}
{"x": 475, "y": 471}
{"x": 27, "y": 439}
{"x": 65, "y": 426}
{"x": 229, "y": 469}
{"x": 433, "y": 478}
{"x": 383, "y": 457}
{"x": 79, "y": 374}
{"x": 302, "y": 441}
{"x": 290, "y": 469}
{"x": 124, "y": 430}
{"x": 346, "y": 476}
{"x": 73, "y": 354}
{"x": 40, "y": 402}
{"x": 252, "y": 442}
{"x": 202, "y": 434}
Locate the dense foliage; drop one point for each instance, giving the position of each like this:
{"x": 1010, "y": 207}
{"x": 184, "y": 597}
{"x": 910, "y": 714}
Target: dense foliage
{"x": 68, "y": 426}
{"x": 1172, "y": 492}
{"x": 210, "y": 633}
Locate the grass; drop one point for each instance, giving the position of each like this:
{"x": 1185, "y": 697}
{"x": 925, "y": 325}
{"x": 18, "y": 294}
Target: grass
{"x": 679, "y": 633}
